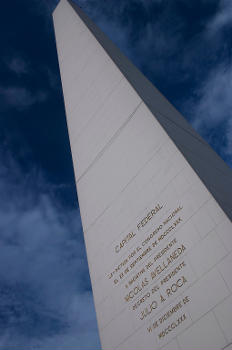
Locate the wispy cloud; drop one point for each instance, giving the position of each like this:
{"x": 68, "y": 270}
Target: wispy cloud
{"x": 20, "y": 97}
{"x": 45, "y": 293}
{"x": 222, "y": 18}
{"x": 168, "y": 49}
{"x": 215, "y": 103}
{"x": 53, "y": 79}
{"x": 212, "y": 106}
{"x": 18, "y": 65}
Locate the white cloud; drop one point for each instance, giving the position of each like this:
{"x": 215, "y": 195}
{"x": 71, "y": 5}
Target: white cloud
{"x": 222, "y": 18}
{"x": 45, "y": 297}
{"x": 213, "y": 104}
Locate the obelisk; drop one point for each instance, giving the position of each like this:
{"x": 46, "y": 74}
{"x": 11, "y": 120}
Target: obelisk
{"x": 155, "y": 201}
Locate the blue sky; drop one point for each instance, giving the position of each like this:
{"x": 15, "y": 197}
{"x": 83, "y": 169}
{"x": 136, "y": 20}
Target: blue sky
{"x": 184, "y": 48}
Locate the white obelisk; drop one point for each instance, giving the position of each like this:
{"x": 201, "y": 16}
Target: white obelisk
{"x": 155, "y": 201}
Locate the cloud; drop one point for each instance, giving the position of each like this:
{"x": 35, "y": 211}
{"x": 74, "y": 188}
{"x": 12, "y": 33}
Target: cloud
{"x": 191, "y": 61}
{"x": 215, "y": 102}
{"x": 45, "y": 295}
{"x": 212, "y": 106}
{"x": 18, "y": 65}
{"x": 156, "y": 36}
{"x": 53, "y": 78}
{"x": 222, "y": 18}
{"x": 20, "y": 97}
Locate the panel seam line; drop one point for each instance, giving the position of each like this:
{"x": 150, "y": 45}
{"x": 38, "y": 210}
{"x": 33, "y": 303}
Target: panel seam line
{"x": 108, "y": 144}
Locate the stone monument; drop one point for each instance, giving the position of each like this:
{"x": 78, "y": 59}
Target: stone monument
{"x": 155, "y": 201}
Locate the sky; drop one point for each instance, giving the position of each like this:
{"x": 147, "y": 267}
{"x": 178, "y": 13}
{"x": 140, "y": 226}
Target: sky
{"x": 184, "y": 47}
